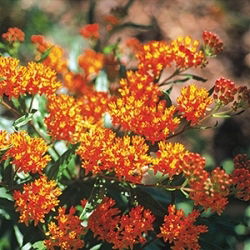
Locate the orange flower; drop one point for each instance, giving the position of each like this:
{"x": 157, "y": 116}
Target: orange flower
{"x": 180, "y": 229}
{"x": 4, "y": 140}
{"x": 55, "y": 59}
{"x": 90, "y": 31}
{"x": 67, "y": 232}
{"x": 64, "y": 121}
{"x": 92, "y": 149}
{"x": 169, "y": 158}
{"x": 121, "y": 231}
{"x": 36, "y": 200}
{"x": 140, "y": 110}
{"x": 91, "y": 62}
{"x": 26, "y": 153}
{"x": 186, "y": 54}
{"x": 212, "y": 42}
{"x": 128, "y": 156}
{"x": 35, "y": 78}
{"x": 93, "y": 105}
{"x": 193, "y": 102}
{"x": 224, "y": 91}
{"x": 13, "y": 35}
{"x": 241, "y": 177}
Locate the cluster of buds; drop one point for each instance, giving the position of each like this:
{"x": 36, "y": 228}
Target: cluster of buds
{"x": 213, "y": 44}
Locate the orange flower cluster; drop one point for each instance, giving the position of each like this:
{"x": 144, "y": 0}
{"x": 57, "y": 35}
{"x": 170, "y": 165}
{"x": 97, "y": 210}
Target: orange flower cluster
{"x": 121, "y": 231}
{"x": 180, "y": 229}
{"x": 66, "y": 233}
{"x": 169, "y": 158}
{"x": 140, "y": 110}
{"x": 26, "y": 153}
{"x": 241, "y": 177}
{"x": 193, "y": 102}
{"x": 36, "y": 200}
{"x": 209, "y": 190}
{"x": 90, "y": 31}
{"x": 156, "y": 55}
{"x": 13, "y": 35}
{"x": 64, "y": 120}
{"x": 55, "y": 58}
{"x": 93, "y": 147}
{"x": 4, "y": 140}
{"x": 213, "y": 44}
{"x": 91, "y": 62}
{"x": 35, "y": 78}
{"x": 93, "y": 105}
{"x": 224, "y": 91}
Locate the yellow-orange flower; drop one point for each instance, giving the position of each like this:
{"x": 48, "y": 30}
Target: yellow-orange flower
{"x": 91, "y": 62}
{"x": 65, "y": 120}
{"x": 67, "y": 232}
{"x": 13, "y": 35}
{"x": 193, "y": 102}
{"x": 36, "y": 200}
{"x": 27, "y": 153}
{"x": 169, "y": 158}
{"x": 35, "y": 78}
{"x": 4, "y": 140}
{"x": 180, "y": 229}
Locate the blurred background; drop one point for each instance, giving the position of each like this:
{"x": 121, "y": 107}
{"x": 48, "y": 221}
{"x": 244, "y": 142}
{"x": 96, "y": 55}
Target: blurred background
{"x": 61, "y": 20}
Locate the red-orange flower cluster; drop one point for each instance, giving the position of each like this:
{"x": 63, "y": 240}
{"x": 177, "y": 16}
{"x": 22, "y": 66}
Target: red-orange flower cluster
{"x": 91, "y": 62}
{"x": 35, "y": 78}
{"x": 193, "y": 102}
{"x": 67, "y": 232}
{"x": 90, "y": 31}
{"x": 123, "y": 231}
{"x": 36, "y": 200}
{"x": 26, "y": 153}
{"x": 140, "y": 110}
{"x": 241, "y": 177}
{"x": 64, "y": 120}
{"x": 213, "y": 44}
{"x": 224, "y": 91}
{"x": 180, "y": 229}
{"x": 13, "y": 35}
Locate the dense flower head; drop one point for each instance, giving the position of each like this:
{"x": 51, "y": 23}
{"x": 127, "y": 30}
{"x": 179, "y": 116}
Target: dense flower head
{"x": 27, "y": 153}
{"x": 67, "y": 232}
{"x": 169, "y": 158}
{"x": 91, "y": 62}
{"x": 153, "y": 57}
{"x": 65, "y": 120}
{"x": 90, "y": 31}
{"x": 76, "y": 83}
{"x": 13, "y": 35}
{"x": 241, "y": 177}
{"x": 36, "y": 200}
{"x": 224, "y": 91}
{"x": 210, "y": 190}
{"x": 55, "y": 59}
{"x": 93, "y": 105}
{"x": 213, "y": 44}
{"x": 180, "y": 230}
{"x": 139, "y": 109}
{"x": 128, "y": 155}
{"x": 123, "y": 231}
{"x": 35, "y": 78}
{"x": 193, "y": 102}
{"x": 4, "y": 140}
{"x": 92, "y": 149}
{"x": 186, "y": 54}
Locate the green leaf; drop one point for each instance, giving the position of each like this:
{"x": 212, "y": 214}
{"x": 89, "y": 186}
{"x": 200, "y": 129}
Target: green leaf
{"x": 44, "y": 55}
{"x": 194, "y": 77}
{"x": 56, "y": 170}
{"x": 39, "y": 245}
{"x": 221, "y": 115}
{"x": 23, "y": 120}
